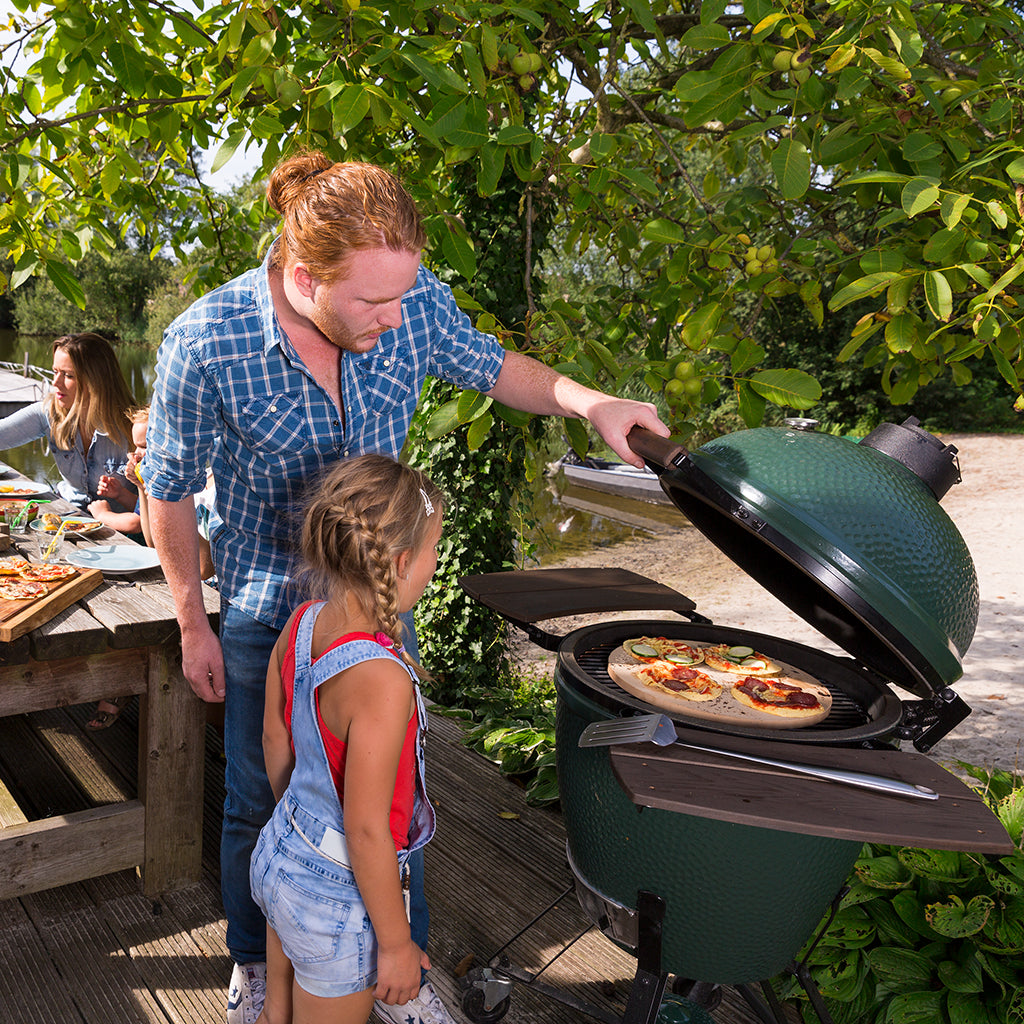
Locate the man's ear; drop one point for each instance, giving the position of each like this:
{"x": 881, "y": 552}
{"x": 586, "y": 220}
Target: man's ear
{"x": 305, "y": 282}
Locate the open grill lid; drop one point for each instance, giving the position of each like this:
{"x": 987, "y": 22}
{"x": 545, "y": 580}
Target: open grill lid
{"x": 848, "y": 535}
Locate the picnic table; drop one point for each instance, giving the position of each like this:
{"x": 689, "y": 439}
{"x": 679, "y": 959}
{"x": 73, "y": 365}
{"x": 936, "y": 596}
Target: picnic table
{"x": 121, "y": 638}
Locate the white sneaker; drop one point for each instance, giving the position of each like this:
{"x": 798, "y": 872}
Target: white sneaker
{"x": 425, "y": 1008}
{"x": 246, "y": 993}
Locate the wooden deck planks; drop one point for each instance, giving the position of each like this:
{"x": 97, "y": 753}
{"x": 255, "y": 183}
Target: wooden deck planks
{"x": 101, "y": 952}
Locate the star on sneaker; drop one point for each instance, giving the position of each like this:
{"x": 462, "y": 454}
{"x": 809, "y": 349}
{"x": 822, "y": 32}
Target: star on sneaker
{"x": 425, "y": 1008}
{"x": 246, "y": 993}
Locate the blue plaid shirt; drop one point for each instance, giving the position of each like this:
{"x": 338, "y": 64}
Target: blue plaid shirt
{"x": 231, "y": 392}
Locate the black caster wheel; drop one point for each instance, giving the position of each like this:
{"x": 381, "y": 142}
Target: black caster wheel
{"x": 474, "y": 1008}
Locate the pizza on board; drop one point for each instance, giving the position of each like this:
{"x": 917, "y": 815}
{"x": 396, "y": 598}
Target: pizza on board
{"x": 784, "y": 696}
{"x": 21, "y": 590}
{"x": 740, "y": 659}
{"x": 13, "y": 566}
{"x": 47, "y": 573}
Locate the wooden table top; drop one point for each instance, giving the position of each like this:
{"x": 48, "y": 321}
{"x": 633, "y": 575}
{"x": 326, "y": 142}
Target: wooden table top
{"x": 123, "y": 612}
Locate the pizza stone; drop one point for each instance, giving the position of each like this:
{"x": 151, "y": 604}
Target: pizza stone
{"x": 725, "y": 707}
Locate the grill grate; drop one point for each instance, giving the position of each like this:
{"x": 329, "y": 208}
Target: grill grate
{"x": 845, "y": 712}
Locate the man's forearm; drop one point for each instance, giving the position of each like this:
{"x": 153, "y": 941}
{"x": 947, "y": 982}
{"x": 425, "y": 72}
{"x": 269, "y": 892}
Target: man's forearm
{"x": 173, "y": 526}
{"x": 529, "y": 385}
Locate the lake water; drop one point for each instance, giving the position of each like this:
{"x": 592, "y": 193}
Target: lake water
{"x": 569, "y": 520}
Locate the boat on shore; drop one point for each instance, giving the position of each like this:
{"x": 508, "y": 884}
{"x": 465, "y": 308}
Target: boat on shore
{"x": 611, "y": 477}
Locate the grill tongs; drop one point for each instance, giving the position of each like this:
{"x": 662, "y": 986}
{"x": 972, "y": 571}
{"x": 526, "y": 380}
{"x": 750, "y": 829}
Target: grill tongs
{"x": 661, "y": 730}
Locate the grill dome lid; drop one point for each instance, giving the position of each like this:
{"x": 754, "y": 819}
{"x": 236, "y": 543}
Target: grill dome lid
{"x": 849, "y": 536}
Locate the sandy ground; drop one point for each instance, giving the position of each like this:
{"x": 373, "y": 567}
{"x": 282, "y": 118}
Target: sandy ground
{"x": 987, "y": 508}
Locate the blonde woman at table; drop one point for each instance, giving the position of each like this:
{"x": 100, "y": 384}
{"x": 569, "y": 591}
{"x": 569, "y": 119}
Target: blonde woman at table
{"x": 343, "y": 743}
{"x": 87, "y": 420}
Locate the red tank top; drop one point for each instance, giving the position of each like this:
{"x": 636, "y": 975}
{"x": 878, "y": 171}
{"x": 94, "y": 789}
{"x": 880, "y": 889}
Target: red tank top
{"x": 405, "y": 781}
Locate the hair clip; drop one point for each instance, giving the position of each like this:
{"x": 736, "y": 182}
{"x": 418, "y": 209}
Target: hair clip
{"x": 385, "y": 641}
{"x": 427, "y": 505}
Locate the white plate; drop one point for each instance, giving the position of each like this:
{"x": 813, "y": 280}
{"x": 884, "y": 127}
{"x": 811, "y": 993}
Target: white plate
{"x": 115, "y": 559}
{"x": 29, "y": 489}
{"x": 89, "y": 525}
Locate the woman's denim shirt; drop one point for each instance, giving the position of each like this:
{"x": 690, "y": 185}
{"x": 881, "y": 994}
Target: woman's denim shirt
{"x": 80, "y": 476}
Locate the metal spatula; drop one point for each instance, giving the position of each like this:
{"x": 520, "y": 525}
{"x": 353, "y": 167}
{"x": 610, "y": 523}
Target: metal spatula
{"x": 659, "y": 729}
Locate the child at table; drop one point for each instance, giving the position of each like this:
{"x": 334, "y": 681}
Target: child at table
{"x": 343, "y": 742}
{"x": 204, "y": 500}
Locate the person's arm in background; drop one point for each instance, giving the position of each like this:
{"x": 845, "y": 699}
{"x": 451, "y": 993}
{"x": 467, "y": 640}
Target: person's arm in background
{"x": 28, "y": 424}
{"x": 111, "y": 489}
{"x": 529, "y": 385}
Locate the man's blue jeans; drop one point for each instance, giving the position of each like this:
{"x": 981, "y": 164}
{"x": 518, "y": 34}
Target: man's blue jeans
{"x": 249, "y": 800}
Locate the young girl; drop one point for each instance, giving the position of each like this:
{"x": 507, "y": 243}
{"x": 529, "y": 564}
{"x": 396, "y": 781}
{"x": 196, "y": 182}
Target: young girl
{"x": 342, "y": 738}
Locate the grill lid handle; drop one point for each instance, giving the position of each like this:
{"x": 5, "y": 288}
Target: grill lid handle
{"x": 659, "y": 451}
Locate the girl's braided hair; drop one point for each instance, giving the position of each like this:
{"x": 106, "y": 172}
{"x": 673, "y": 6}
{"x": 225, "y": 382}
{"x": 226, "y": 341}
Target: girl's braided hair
{"x": 365, "y": 512}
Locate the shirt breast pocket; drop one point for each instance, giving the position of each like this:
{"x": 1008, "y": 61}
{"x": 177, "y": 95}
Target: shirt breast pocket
{"x": 276, "y": 425}
{"x": 386, "y": 383}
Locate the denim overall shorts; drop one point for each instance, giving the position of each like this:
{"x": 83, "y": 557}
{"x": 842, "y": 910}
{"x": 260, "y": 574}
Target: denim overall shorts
{"x": 300, "y": 873}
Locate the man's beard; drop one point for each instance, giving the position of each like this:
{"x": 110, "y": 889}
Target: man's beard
{"x": 330, "y": 324}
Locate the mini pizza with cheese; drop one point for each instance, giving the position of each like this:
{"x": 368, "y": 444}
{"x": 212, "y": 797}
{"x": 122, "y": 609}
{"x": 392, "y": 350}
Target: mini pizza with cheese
{"x": 740, "y": 659}
{"x": 784, "y": 696}
{"x": 21, "y": 590}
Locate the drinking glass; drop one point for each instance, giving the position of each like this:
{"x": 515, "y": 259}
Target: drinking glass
{"x": 51, "y": 546}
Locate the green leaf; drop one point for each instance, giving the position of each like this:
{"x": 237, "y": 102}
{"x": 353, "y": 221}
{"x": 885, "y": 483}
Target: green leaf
{"x": 901, "y": 332}
{"x": 443, "y": 420}
{"x": 350, "y": 108}
{"x": 885, "y": 872}
{"x": 952, "y": 209}
{"x": 24, "y": 269}
{"x": 576, "y": 431}
{"x": 458, "y": 251}
{"x": 227, "y": 149}
{"x": 939, "y": 865}
{"x": 666, "y": 232}
{"x": 752, "y": 406}
{"x": 938, "y": 295}
{"x": 918, "y": 195}
{"x": 862, "y": 288}
{"x": 129, "y": 68}
{"x": 471, "y": 404}
{"x": 793, "y": 388}
{"x": 514, "y": 135}
{"x": 478, "y": 431}
{"x": 791, "y": 163}
{"x": 705, "y": 37}
{"x": 996, "y": 213}
{"x": 65, "y": 282}
{"x": 870, "y": 177}
{"x": 921, "y": 146}
{"x": 955, "y": 919}
{"x": 899, "y": 969}
{"x": 1010, "y": 809}
{"x": 1015, "y": 170}
{"x": 440, "y": 76}
{"x": 915, "y": 1008}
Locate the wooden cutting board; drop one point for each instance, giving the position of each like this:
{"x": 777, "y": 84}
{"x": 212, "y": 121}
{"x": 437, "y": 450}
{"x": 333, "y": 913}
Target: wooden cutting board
{"x": 20, "y": 617}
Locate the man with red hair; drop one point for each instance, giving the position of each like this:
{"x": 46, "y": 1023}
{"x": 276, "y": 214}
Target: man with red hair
{"x": 317, "y": 355}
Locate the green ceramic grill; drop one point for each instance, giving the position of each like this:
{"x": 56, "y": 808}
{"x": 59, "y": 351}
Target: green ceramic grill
{"x": 851, "y": 536}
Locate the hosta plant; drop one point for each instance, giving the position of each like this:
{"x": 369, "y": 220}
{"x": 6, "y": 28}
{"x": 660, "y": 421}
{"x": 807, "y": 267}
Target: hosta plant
{"x": 928, "y": 936}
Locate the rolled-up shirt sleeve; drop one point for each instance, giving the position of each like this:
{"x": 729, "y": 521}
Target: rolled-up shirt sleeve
{"x": 460, "y": 354}
{"x": 182, "y": 426}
